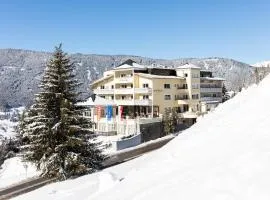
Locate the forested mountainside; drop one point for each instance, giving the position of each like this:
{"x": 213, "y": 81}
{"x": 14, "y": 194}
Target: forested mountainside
{"x": 21, "y": 71}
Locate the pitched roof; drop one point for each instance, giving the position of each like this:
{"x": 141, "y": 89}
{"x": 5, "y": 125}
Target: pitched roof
{"x": 130, "y": 64}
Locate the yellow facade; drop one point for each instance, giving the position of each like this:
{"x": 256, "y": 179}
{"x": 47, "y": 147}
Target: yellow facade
{"x": 131, "y": 86}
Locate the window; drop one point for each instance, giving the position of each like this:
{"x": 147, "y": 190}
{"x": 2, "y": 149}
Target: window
{"x": 123, "y": 75}
{"x": 167, "y": 97}
{"x": 195, "y": 96}
{"x": 112, "y": 97}
{"x": 145, "y": 85}
{"x": 123, "y": 86}
{"x": 123, "y": 97}
{"x": 186, "y": 75}
{"x": 195, "y": 86}
{"x": 112, "y": 86}
{"x": 102, "y": 97}
{"x": 185, "y": 96}
{"x": 167, "y": 86}
{"x": 87, "y": 113}
{"x": 145, "y": 97}
{"x": 185, "y": 108}
{"x": 102, "y": 87}
{"x": 185, "y": 86}
{"x": 195, "y": 75}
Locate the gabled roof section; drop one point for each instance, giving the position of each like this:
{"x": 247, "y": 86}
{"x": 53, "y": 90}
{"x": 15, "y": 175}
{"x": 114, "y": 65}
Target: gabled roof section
{"x": 101, "y": 79}
{"x": 130, "y": 64}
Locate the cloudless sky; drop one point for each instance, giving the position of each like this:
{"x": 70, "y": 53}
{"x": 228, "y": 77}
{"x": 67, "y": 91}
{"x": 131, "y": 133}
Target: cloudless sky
{"x": 168, "y": 29}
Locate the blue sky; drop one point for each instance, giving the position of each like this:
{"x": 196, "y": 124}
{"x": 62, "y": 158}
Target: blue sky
{"x": 160, "y": 29}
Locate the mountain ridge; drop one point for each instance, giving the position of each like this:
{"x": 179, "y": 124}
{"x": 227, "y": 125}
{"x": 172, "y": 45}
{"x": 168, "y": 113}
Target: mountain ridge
{"x": 21, "y": 71}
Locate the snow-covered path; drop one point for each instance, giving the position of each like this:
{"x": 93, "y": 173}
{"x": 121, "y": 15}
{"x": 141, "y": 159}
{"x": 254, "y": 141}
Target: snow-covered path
{"x": 226, "y": 155}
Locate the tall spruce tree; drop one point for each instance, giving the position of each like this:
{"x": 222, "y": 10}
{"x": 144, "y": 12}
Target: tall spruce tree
{"x": 58, "y": 135}
{"x": 224, "y": 93}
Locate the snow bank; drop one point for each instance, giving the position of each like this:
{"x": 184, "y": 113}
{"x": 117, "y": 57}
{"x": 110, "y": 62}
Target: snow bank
{"x": 226, "y": 155}
{"x": 7, "y": 128}
{"x": 14, "y": 170}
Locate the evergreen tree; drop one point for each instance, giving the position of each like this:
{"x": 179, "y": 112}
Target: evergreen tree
{"x": 224, "y": 93}
{"x": 170, "y": 121}
{"x": 166, "y": 123}
{"x": 257, "y": 75}
{"x": 58, "y": 134}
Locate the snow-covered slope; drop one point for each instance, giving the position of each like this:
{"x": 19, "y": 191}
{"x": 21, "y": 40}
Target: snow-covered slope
{"x": 262, "y": 64}
{"x": 15, "y": 170}
{"x": 226, "y": 155}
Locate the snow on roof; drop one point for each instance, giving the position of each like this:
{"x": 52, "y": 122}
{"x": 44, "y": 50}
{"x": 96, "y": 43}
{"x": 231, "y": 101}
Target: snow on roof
{"x": 99, "y": 101}
{"x": 188, "y": 66}
{"x": 213, "y": 78}
{"x": 159, "y": 76}
{"x": 130, "y": 64}
{"x": 205, "y": 70}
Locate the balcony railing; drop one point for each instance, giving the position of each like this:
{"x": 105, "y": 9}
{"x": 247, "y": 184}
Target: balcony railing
{"x": 103, "y": 91}
{"x": 181, "y": 98}
{"x": 182, "y": 88}
{"x": 126, "y": 79}
{"x": 143, "y": 90}
{"x": 210, "y": 86}
{"x": 205, "y": 90}
{"x": 136, "y": 102}
{"x": 211, "y": 99}
{"x": 123, "y": 90}
{"x": 131, "y": 90}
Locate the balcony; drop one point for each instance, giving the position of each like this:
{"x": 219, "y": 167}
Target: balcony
{"x": 103, "y": 91}
{"x": 143, "y": 90}
{"x": 182, "y": 88}
{"x": 124, "y": 90}
{"x": 187, "y": 101}
{"x": 211, "y": 90}
{"x": 180, "y": 98}
{"x": 126, "y": 79}
{"x": 131, "y": 90}
{"x": 219, "y": 99}
{"x": 136, "y": 102}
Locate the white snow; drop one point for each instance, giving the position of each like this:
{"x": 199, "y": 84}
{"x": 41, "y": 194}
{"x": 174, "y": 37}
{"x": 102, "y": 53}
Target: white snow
{"x": 188, "y": 66}
{"x": 7, "y": 128}
{"x": 89, "y": 75}
{"x": 15, "y": 170}
{"x": 262, "y": 64}
{"x": 134, "y": 65}
{"x": 225, "y": 155}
